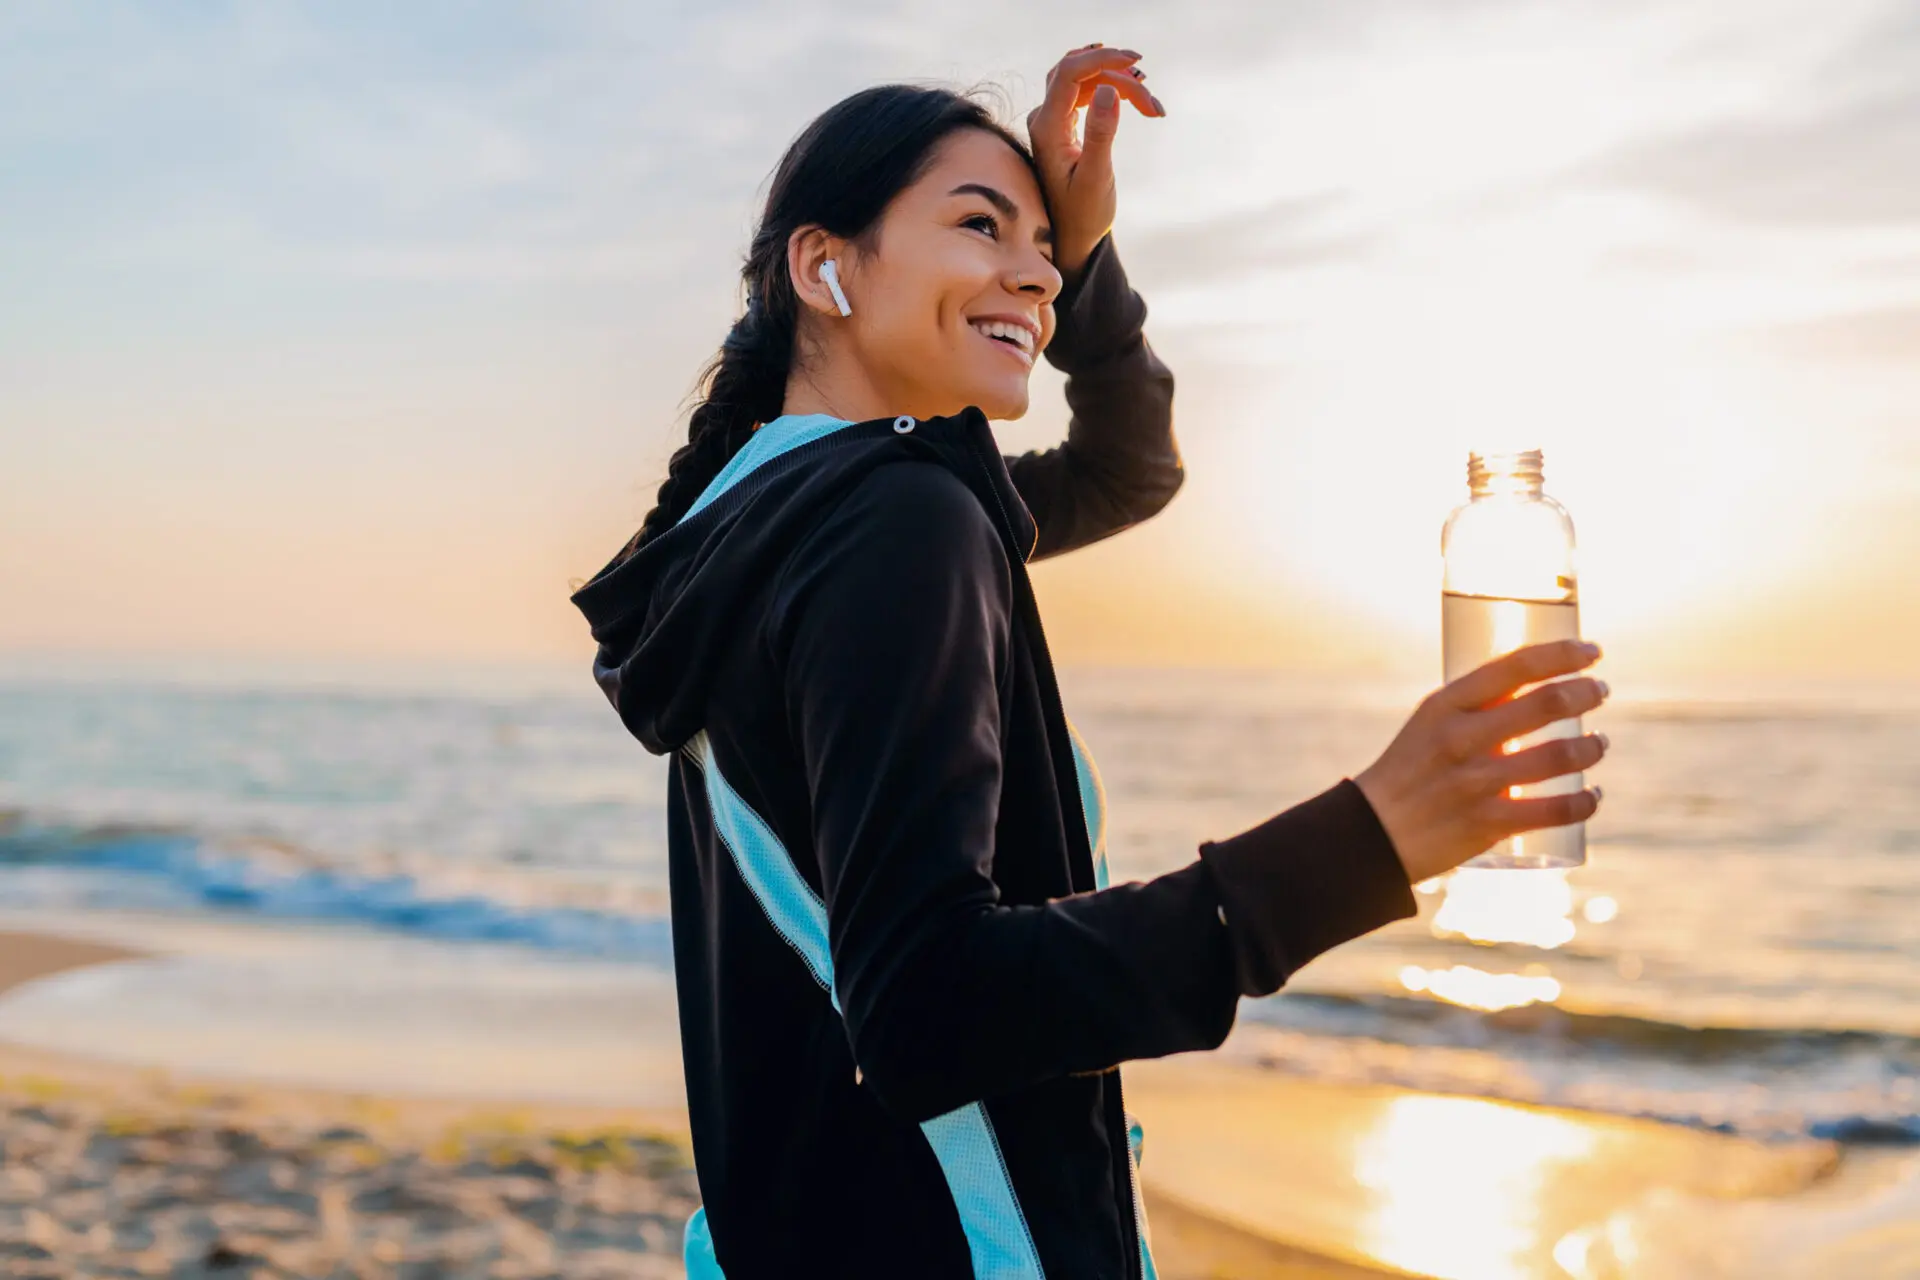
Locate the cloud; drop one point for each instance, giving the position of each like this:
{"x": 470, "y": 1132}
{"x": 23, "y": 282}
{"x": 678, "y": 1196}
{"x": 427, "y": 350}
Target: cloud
{"x": 1840, "y": 155}
{"x": 1291, "y": 232}
{"x": 399, "y": 143}
{"x": 1848, "y": 166}
{"x": 1886, "y": 55}
{"x": 1883, "y": 336}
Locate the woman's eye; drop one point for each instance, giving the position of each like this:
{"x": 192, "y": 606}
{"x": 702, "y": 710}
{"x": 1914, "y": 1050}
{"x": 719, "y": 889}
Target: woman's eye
{"x": 993, "y": 227}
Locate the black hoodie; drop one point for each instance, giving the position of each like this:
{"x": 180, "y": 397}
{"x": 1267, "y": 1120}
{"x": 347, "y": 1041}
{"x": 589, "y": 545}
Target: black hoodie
{"x": 904, "y": 988}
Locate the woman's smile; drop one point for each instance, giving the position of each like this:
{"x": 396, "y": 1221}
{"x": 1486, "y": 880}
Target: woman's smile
{"x": 1013, "y": 337}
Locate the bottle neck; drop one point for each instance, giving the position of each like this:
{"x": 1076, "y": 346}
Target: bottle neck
{"x": 1504, "y": 474}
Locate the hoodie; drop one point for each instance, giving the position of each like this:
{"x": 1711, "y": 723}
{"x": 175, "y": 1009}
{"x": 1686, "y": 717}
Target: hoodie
{"x": 905, "y": 984}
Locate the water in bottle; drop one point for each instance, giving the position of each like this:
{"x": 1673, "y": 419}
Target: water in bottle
{"x": 1508, "y": 580}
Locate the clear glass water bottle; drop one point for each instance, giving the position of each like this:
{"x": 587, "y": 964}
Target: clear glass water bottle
{"x": 1509, "y": 580}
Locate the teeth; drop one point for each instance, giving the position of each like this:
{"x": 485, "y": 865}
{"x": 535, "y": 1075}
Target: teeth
{"x": 1000, "y": 329}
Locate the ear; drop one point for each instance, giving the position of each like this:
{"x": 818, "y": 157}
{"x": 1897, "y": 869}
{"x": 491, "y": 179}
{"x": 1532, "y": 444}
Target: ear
{"x": 807, "y": 248}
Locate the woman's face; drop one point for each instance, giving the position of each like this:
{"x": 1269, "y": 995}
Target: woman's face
{"x": 964, "y": 248}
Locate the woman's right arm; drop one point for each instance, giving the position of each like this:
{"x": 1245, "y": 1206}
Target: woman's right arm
{"x": 893, "y": 625}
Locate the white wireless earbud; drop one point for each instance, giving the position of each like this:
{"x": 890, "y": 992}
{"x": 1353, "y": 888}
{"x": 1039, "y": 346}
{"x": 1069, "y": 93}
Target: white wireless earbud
{"x": 830, "y": 272}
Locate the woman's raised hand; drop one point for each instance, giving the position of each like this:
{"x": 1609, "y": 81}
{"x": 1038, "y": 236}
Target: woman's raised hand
{"x": 1440, "y": 788}
{"x": 1077, "y": 173}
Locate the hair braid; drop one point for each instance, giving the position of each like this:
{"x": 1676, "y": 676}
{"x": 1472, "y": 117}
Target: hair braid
{"x": 745, "y": 385}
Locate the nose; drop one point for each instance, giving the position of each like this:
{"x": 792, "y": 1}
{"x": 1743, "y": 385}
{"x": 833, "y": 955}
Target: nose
{"x": 1036, "y": 278}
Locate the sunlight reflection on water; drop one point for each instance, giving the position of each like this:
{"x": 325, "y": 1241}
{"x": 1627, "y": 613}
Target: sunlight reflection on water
{"x": 1478, "y": 989}
{"x": 1458, "y": 1183}
{"x": 1534, "y": 907}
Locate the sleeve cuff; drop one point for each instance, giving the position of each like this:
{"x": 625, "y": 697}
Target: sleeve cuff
{"x": 1304, "y": 881}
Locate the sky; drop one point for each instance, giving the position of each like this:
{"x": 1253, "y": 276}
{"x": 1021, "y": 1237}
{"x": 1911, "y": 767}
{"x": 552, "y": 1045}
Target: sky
{"x": 364, "y": 329}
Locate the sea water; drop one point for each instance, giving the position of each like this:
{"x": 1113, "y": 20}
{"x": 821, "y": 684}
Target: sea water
{"x": 519, "y": 813}
{"x": 1475, "y": 630}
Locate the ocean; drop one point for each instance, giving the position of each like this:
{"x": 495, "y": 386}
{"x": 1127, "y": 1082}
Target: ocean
{"x": 1740, "y": 953}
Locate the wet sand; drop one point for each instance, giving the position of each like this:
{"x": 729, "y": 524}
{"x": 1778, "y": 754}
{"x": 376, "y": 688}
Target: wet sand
{"x": 26, "y": 956}
{"x": 1422, "y": 1183}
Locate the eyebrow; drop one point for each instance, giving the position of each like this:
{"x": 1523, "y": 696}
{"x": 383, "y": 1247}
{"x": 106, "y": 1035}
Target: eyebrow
{"x": 999, "y": 201}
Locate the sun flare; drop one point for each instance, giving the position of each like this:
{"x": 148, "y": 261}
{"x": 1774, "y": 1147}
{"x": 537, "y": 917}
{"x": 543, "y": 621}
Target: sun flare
{"x": 1534, "y": 908}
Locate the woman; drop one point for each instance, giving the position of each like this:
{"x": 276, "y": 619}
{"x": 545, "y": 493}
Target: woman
{"x": 904, "y": 987}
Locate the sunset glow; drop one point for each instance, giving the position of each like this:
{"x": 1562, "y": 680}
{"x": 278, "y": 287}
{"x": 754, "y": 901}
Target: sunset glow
{"x": 486, "y": 298}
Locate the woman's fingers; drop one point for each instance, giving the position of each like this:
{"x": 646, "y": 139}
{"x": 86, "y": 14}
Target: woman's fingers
{"x": 1442, "y": 788}
{"x": 1091, "y": 56}
{"x": 1544, "y": 760}
{"x": 1095, "y": 163}
{"x": 1054, "y": 116}
{"x": 1536, "y": 812}
{"x": 1130, "y": 86}
{"x": 1535, "y": 709}
{"x": 1053, "y": 138}
{"x": 1078, "y": 65}
{"x": 1530, "y": 663}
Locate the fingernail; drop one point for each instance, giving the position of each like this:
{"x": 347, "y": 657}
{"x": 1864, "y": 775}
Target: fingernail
{"x": 1591, "y": 649}
{"x": 1157, "y": 105}
{"x": 1131, "y": 53}
{"x": 1138, "y": 74}
{"x": 1604, "y": 691}
{"x": 1599, "y": 793}
{"x": 1605, "y": 742}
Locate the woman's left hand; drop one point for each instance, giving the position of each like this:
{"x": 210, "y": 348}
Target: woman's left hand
{"x": 1077, "y": 174}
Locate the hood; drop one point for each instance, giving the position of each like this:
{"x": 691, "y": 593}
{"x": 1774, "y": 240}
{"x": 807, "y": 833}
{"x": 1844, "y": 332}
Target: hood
{"x": 660, "y": 617}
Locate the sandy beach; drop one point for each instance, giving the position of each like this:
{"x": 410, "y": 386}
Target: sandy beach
{"x": 116, "y": 1170}
{"x": 113, "y": 1174}
{"x": 133, "y": 1174}
{"x": 119, "y": 1168}
{"x": 123, "y": 1170}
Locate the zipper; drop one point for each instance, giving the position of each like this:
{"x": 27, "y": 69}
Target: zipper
{"x": 1006, "y": 517}
{"x": 1142, "y": 1249}
{"x": 1137, "y": 1262}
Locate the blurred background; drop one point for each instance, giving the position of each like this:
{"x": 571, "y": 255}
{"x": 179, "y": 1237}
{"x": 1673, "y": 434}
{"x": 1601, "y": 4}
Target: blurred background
{"x": 339, "y": 343}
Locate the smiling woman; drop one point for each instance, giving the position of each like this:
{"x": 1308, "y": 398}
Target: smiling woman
{"x": 905, "y": 984}
{"x": 877, "y": 798}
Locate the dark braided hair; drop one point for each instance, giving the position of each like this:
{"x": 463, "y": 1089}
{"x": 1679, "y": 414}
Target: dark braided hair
{"x": 840, "y": 174}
